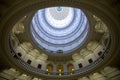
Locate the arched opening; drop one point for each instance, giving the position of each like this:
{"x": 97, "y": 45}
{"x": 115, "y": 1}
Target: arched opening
{"x": 19, "y": 54}
{"x": 60, "y": 69}
{"x": 99, "y": 53}
{"x": 90, "y": 60}
{"x": 70, "y": 68}
{"x": 49, "y": 68}
{"x": 80, "y": 65}
{"x": 39, "y": 66}
{"x": 29, "y": 61}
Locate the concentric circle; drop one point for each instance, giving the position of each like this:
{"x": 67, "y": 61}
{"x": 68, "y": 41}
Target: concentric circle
{"x": 59, "y": 29}
{"x": 59, "y": 17}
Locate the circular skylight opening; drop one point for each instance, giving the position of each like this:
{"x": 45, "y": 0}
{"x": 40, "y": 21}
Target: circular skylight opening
{"x": 59, "y": 17}
{"x": 59, "y": 29}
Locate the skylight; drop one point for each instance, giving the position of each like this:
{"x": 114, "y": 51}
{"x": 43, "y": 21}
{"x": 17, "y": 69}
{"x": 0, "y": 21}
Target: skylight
{"x": 59, "y": 29}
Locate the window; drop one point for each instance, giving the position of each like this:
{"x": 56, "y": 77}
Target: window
{"x": 80, "y": 65}
{"x": 15, "y": 56}
{"x": 29, "y": 61}
{"x": 100, "y": 53}
{"x": 60, "y": 51}
{"x": 49, "y": 68}
{"x": 90, "y": 60}
{"x": 19, "y": 54}
{"x": 70, "y": 67}
{"x": 60, "y": 68}
{"x": 39, "y": 66}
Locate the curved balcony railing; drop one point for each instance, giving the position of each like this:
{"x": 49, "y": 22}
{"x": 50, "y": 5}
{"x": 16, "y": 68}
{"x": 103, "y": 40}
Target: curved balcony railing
{"x": 37, "y": 71}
